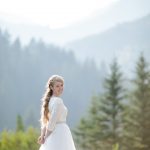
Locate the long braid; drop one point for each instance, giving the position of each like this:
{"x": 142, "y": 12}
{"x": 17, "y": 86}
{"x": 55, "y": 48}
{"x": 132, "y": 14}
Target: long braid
{"x": 45, "y": 105}
{"x": 45, "y": 102}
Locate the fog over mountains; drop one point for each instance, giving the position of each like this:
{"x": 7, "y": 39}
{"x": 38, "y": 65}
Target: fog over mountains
{"x": 124, "y": 41}
{"x": 121, "y": 11}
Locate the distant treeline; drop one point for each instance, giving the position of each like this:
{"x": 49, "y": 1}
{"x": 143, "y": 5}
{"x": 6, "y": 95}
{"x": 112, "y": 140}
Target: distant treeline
{"x": 24, "y": 71}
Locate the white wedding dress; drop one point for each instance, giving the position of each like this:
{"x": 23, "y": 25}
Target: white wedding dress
{"x": 61, "y": 137}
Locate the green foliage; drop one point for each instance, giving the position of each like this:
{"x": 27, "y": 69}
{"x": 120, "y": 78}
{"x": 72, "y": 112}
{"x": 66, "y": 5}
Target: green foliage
{"x": 113, "y": 123}
{"x": 137, "y": 135}
{"x": 20, "y": 125}
{"x": 102, "y": 128}
{"x": 115, "y": 147}
{"x": 20, "y": 140}
{"x": 88, "y": 132}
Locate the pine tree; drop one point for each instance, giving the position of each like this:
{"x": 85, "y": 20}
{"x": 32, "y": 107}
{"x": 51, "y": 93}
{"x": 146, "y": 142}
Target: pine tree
{"x": 112, "y": 106}
{"x": 102, "y": 127}
{"x": 138, "y": 125}
{"x": 20, "y": 125}
{"x": 87, "y": 133}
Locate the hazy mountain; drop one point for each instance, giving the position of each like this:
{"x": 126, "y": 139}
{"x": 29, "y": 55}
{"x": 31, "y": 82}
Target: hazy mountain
{"x": 120, "y": 11}
{"x": 124, "y": 41}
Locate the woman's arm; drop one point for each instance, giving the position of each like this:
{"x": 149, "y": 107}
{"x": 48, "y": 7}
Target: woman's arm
{"x": 48, "y": 132}
{"x": 43, "y": 131}
{"x": 55, "y": 113}
{"x": 41, "y": 138}
{"x": 48, "y": 129}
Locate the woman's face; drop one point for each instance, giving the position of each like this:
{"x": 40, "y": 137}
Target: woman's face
{"x": 57, "y": 88}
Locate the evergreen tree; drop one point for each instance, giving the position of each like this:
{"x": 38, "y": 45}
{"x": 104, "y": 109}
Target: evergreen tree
{"x": 20, "y": 125}
{"x": 138, "y": 123}
{"x": 87, "y": 133}
{"x": 112, "y": 107}
{"x": 102, "y": 128}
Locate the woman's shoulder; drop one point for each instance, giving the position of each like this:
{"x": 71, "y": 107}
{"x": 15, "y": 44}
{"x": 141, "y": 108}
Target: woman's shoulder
{"x": 55, "y": 99}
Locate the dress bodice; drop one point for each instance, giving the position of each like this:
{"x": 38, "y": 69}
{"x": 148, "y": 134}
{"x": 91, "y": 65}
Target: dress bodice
{"x": 58, "y": 112}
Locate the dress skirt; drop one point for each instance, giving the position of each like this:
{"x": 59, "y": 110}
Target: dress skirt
{"x": 59, "y": 139}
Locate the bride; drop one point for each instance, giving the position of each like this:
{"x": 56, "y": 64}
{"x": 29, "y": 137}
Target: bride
{"x": 55, "y": 133}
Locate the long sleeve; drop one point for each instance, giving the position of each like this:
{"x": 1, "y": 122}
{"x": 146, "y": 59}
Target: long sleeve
{"x": 54, "y": 115}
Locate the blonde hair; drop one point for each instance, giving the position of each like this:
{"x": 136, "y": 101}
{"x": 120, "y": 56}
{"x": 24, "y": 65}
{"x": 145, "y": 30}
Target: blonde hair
{"x": 46, "y": 98}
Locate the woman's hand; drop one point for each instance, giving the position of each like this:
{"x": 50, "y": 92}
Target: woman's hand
{"x": 41, "y": 140}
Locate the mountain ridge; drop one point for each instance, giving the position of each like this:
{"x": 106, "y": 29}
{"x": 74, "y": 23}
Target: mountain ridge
{"x": 128, "y": 38}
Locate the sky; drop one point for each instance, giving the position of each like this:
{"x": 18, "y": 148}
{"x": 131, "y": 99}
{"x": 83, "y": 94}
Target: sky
{"x": 52, "y": 13}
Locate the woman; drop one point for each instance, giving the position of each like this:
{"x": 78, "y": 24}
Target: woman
{"x": 55, "y": 133}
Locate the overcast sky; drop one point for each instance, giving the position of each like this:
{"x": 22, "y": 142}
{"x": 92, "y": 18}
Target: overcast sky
{"x": 51, "y": 13}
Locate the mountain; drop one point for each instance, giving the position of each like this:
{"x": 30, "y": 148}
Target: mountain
{"x": 123, "y": 41}
{"x": 118, "y": 12}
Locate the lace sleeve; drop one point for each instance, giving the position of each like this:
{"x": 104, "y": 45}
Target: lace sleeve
{"x": 54, "y": 115}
